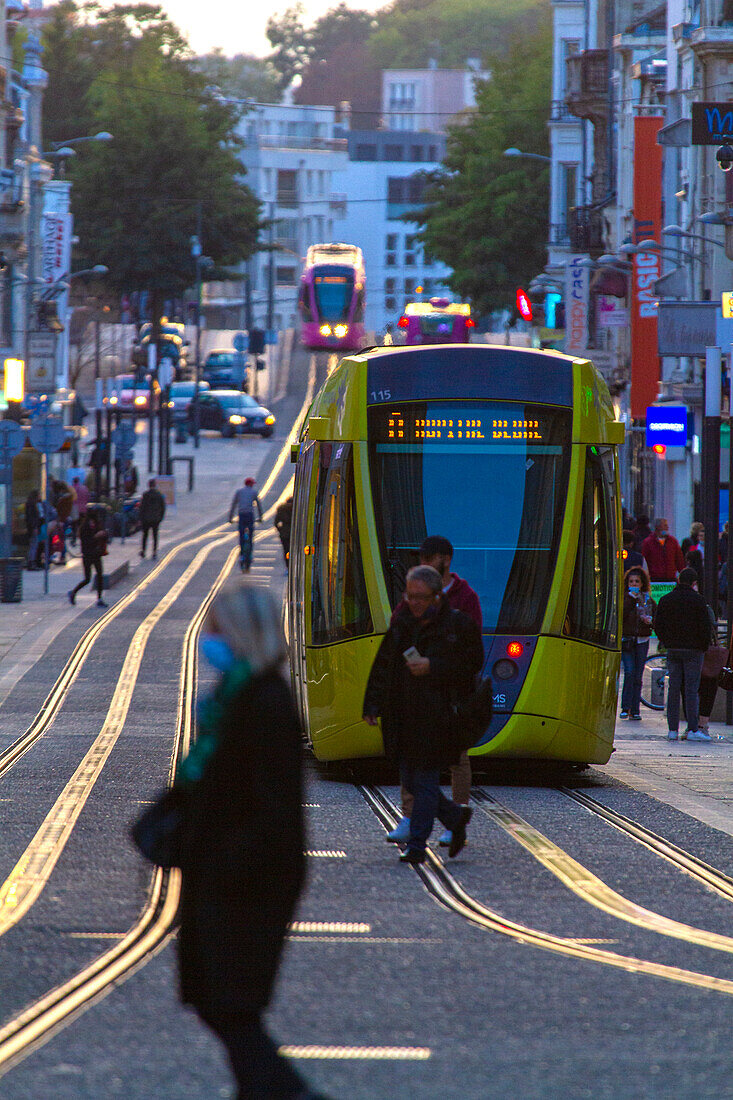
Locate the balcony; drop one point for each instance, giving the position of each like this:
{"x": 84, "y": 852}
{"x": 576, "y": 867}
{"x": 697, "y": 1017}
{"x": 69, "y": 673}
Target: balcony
{"x": 713, "y": 42}
{"x": 586, "y": 93}
{"x": 287, "y": 196}
{"x": 585, "y": 229}
{"x": 560, "y": 112}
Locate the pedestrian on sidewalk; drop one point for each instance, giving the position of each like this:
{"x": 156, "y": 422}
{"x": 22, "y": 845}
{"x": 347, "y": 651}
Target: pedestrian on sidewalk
{"x": 437, "y": 552}
{"x": 242, "y": 863}
{"x": 93, "y": 540}
{"x": 82, "y": 496}
{"x": 283, "y": 523}
{"x": 243, "y": 505}
{"x": 152, "y": 511}
{"x": 632, "y": 557}
{"x": 33, "y": 527}
{"x": 683, "y": 628}
{"x": 638, "y": 620}
{"x": 427, "y": 661}
{"x": 663, "y": 554}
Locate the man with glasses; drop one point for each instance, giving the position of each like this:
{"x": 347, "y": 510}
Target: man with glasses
{"x": 428, "y": 660}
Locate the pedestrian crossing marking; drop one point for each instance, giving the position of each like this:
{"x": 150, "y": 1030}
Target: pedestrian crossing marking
{"x": 327, "y": 854}
{"x": 328, "y": 926}
{"x": 394, "y": 1054}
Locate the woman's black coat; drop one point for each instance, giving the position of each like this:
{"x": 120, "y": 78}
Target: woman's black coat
{"x": 243, "y": 864}
{"x": 416, "y": 710}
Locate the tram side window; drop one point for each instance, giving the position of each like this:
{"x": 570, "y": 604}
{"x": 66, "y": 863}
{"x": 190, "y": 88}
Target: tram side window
{"x": 339, "y": 604}
{"x": 304, "y": 302}
{"x": 592, "y": 609}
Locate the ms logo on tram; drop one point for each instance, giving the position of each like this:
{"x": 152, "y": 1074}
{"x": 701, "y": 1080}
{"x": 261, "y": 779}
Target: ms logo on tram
{"x": 512, "y": 455}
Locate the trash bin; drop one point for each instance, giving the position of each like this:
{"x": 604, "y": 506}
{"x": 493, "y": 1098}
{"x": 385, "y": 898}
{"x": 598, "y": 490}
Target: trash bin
{"x": 11, "y": 580}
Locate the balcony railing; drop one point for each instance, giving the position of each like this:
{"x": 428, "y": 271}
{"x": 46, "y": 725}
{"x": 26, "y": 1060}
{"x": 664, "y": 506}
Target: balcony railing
{"x": 587, "y": 83}
{"x": 560, "y": 112}
{"x": 287, "y": 196}
{"x": 585, "y": 229}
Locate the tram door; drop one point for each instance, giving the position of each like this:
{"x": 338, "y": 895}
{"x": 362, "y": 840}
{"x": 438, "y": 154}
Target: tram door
{"x": 297, "y": 579}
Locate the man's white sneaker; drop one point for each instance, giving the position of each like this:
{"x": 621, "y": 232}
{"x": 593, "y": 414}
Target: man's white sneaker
{"x": 672, "y": 735}
{"x": 401, "y": 832}
{"x": 698, "y": 735}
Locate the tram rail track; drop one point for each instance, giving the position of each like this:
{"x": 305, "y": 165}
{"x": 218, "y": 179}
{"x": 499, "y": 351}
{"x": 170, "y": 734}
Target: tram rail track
{"x": 61, "y": 1005}
{"x": 49, "y": 1014}
{"x": 447, "y": 891}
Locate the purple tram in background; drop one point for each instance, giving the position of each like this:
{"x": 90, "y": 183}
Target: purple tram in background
{"x": 437, "y": 321}
{"x": 331, "y": 298}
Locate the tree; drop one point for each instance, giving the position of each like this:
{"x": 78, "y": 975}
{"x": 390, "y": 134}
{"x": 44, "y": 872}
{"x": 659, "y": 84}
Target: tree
{"x": 243, "y": 76}
{"x": 411, "y": 32}
{"x": 486, "y": 216}
{"x": 172, "y": 165}
{"x": 289, "y": 40}
{"x": 340, "y": 67}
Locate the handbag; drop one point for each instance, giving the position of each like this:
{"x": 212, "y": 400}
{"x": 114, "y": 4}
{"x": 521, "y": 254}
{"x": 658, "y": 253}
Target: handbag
{"x": 471, "y": 716}
{"x": 714, "y": 661}
{"x": 159, "y": 832}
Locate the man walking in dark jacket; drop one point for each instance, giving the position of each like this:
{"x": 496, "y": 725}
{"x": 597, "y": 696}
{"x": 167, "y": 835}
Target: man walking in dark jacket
{"x": 152, "y": 510}
{"x": 683, "y": 628}
{"x": 428, "y": 659}
{"x": 437, "y": 551}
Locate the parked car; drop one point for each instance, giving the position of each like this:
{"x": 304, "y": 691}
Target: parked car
{"x": 133, "y": 396}
{"x": 220, "y": 369}
{"x": 233, "y": 413}
{"x": 181, "y": 396}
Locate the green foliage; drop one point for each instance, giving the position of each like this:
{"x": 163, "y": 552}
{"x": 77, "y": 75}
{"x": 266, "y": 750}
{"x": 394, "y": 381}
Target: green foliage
{"x": 411, "y": 32}
{"x": 136, "y": 199}
{"x": 485, "y": 215}
{"x": 297, "y": 48}
{"x": 243, "y": 76}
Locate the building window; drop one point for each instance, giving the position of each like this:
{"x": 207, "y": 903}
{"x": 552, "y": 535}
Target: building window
{"x": 390, "y": 285}
{"x": 432, "y": 152}
{"x": 416, "y": 152}
{"x": 569, "y": 47}
{"x": 410, "y": 251}
{"x": 396, "y": 190}
{"x": 287, "y": 187}
{"x": 285, "y": 276}
{"x": 393, "y": 152}
{"x": 390, "y": 242}
{"x": 390, "y": 304}
{"x": 366, "y": 152}
{"x": 409, "y": 286}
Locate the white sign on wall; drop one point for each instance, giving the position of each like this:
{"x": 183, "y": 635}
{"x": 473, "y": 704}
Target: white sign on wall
{"x": 56, "y": 253}
{"x": 577, "y": 287}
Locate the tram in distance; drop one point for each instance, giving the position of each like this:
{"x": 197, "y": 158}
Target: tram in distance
{"x": 437, "y": 321}
{"x": 332, "y": 297}
{"x": 512, "y": 455}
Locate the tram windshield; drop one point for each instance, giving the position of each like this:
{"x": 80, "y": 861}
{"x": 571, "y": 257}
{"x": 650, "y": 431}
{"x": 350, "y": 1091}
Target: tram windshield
{"x": 334, "y": 287}
{"x": 490, "y": 476}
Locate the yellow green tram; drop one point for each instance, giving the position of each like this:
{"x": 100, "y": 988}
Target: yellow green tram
{"x": 511, "y": 454}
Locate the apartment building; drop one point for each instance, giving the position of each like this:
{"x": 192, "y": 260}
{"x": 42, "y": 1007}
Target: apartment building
{"x": 428, "y": 99}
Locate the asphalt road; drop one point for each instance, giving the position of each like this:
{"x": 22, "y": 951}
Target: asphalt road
{"x": 471, "y": 1013}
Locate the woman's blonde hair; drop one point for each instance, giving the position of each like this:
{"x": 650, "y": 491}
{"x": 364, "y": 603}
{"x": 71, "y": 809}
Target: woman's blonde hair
{"x": 249, "y": 619}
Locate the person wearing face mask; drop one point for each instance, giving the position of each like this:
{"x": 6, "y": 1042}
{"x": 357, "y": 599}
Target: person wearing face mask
{"x": 683, "y": 627}
{"x": 638, "y": 620}
{"x": 662, "y": 553}
{"x": 242, "y": 862}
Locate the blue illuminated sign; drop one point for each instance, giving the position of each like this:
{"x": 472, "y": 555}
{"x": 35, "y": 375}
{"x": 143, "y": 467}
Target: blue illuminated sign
{"x": 666, "y": 424}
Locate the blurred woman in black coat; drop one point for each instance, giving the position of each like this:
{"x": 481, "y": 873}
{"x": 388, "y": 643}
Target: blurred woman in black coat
{"x": 243, "y": 862}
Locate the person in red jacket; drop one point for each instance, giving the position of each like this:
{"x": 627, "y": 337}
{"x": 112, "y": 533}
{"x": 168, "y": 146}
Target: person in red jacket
{"x": 437, "y": 552}
{"x": 662, "y": 553}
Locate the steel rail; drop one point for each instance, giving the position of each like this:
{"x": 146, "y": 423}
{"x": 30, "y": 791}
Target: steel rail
{"x": 43, "y": 1019}
{"x": 441, "y": 884}
{"x": 55, "y": 698}
{"x": 698, "y": 869}
{"x": 588, "y": 886}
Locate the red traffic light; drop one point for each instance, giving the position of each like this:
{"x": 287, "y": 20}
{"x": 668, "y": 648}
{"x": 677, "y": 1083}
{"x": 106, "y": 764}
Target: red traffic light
{"x": 524, "y": 306}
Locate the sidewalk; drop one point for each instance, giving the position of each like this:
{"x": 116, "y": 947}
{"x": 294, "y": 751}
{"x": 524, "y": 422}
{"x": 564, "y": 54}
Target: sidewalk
{"x": 28, "y": 628}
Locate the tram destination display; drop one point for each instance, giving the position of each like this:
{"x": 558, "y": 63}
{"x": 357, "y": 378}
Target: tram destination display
{"x": 459, "y": 424}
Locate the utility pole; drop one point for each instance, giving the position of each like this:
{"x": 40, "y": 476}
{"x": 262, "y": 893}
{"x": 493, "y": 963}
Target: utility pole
{"x": 196, "y": 253}
{"x": 271, "y": 271}
{"x": 710, "y": 472}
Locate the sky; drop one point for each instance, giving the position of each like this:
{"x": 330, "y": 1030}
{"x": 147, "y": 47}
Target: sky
{"x": 240, "y": 29}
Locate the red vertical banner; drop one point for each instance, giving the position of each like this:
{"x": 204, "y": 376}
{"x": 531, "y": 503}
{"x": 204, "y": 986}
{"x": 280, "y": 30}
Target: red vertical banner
{"x": 645, "y": 362}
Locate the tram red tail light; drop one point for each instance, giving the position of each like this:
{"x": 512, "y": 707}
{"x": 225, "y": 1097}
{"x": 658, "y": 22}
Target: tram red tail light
{"x": 515, "y": 649}
{"x": 470, "y": 323}
{"x": 403, "y": 322}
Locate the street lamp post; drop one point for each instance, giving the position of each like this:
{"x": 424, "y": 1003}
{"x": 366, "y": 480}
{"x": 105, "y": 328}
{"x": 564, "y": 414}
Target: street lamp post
{"x": 513, "y": 152}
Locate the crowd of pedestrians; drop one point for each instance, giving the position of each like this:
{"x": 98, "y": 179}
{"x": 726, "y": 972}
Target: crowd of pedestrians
{"x": 684, "y": 623}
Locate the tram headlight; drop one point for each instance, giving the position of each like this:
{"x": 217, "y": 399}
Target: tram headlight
{"x": 340, "y": 331}
{"x": 504, "y": 669}
{"x": 325, "y": 330}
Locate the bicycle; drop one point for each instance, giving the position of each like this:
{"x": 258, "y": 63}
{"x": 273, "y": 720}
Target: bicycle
{"x": 656, "y": 662}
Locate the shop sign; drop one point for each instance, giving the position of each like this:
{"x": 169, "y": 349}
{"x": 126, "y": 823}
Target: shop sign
{"x": 712, "y": 123}
{"x": 577, "y": 286}
{"x": 647, "y": 183}
{"x": 666, "y": 425}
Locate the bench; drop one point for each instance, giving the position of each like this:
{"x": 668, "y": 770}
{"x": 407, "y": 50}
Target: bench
{"x": 189, "y": 459}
